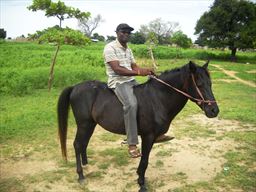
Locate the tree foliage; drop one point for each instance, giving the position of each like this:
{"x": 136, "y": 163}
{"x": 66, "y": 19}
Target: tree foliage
{"x": 2, "y": 34}
{"x": 60, "y": 36}
{"x": 99, "y": 37}
{"x": 88, "y": 25}
{"x": 181, "y": 39}
{"x": 59, "y": 10}
{"x": 111, "y": 38}
{"x": 228, "y": 23}
{"x": 162, "y": 30}
{"x": 137, "y": 38}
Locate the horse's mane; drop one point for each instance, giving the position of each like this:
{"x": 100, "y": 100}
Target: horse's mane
{"x": 166, "y": 75}
{"x": 169, "y": 74}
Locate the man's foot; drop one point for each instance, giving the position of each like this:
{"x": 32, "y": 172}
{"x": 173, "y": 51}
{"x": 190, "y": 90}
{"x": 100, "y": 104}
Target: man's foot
{"x": 133, "y": 151}
{"x": 163, "y": 138}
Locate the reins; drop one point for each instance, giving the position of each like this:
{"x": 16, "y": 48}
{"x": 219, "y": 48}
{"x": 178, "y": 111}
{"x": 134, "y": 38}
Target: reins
{"x": 199, "y": 101}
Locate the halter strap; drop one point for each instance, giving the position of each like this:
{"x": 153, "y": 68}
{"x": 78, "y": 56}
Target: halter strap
{"x": 199, "y": 101}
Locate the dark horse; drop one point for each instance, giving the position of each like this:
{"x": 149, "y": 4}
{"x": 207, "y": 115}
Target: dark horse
{"x": 94, "y": 103}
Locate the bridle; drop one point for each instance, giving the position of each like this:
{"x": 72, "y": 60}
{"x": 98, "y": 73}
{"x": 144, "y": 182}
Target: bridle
{"x": 199, "y": 101}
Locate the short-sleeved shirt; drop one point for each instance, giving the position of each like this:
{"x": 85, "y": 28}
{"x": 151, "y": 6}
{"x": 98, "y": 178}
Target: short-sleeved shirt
{"x": 114, "y": 51}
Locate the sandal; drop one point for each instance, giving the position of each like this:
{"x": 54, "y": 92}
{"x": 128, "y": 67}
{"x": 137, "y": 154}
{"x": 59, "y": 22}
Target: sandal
{"x": 134, "y": 153}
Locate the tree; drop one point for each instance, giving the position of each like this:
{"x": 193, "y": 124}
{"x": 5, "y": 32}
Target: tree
{"x": 99, "y": 37}
{"x": 181, "y": 39}
{"x": 137, "y": 38}
{"x": 151, "y": 42}
{"x": 163, "y": 30}
{"x": 88, "y": 25}
{"x": 59, "y": 10}
{"x": 2, "y": 34}
{"x": 111, "y": 38}
{"x": 60, "y": 36}
{"x": 57, "y": 34}
{"x": 229, "y": 23}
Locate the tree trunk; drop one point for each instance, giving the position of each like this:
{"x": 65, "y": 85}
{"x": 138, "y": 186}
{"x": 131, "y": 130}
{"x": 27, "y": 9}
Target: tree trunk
{"x": 152, "y": 57}
{"x": 52, "y": 68}
{"x": 233, "y": 54}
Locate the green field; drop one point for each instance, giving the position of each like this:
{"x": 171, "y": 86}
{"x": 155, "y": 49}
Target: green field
{"x": 28, "y": 129}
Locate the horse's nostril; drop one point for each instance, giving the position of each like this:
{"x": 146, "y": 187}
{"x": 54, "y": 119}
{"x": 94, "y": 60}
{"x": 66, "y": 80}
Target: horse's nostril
{"x": 215, "y": 110}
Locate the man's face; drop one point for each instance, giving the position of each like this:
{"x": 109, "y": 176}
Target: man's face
{"x": 123, "y": 36}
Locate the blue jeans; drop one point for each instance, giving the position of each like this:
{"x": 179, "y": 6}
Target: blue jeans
{"x": 124, "y": 93}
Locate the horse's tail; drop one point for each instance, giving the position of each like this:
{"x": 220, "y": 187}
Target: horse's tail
{"x": 63, "y": 109}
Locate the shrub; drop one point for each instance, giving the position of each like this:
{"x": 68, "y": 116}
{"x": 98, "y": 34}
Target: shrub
{"x": 16, "y": 82}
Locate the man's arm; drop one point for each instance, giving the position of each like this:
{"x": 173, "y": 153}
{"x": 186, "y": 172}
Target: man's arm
{"x": 136, "y": 71}
{"x": 121, "y": 70}
{"x": 147, "y": 71}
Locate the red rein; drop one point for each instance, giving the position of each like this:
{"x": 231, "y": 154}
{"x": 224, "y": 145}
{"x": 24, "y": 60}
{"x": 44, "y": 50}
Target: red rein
{"x": 199, "y": 101}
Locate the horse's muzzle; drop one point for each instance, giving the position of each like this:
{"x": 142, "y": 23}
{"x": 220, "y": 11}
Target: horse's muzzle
{"x": 212, "y": 110}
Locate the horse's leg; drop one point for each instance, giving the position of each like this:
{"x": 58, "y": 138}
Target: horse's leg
{"x": 83, "y": 135}
{"x": 87, "y": 135}
{"x": 147, "y": 143}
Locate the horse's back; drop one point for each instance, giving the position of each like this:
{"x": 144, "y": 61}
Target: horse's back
{"x": 83, "y": 97}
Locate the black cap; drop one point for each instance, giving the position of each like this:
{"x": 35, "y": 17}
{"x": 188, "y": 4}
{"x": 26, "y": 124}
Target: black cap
{"x": 124, "y": 26}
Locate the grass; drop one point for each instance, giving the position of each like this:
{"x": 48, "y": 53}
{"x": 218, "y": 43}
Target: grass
{"x": 19, "y": 115}
{"x": 105, "y": 137}
{"x": 236, "y": 101}
{"x": 117, "y": 156}
{"x": 11, "y": 184}
{"x": 179, "y": 176}
{"x": 193, "y": 130}
{"x": 237, "y": 173}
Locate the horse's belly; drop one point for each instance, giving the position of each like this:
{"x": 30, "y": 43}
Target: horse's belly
{"x": 107, "y": 111}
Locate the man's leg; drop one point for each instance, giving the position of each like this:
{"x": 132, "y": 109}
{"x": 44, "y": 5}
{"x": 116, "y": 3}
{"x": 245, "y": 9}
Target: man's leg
{"x": 126, "y": 96}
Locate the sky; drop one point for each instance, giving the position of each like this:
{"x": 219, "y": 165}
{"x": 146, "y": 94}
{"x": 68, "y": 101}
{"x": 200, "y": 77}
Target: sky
{"x": 17, "y": 20}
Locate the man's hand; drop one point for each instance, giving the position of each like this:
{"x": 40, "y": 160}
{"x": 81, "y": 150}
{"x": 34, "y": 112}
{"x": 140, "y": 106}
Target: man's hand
{"x": 145, "y": 72}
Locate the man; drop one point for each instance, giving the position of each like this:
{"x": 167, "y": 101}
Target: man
{"x": 121, "y": 69}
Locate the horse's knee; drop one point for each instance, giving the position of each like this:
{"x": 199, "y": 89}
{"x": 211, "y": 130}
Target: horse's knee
{"x": 76, "y": 144}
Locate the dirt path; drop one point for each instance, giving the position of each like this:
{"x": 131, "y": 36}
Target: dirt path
{"x": 193, "y": 156}
{"x": 233, "y": 75}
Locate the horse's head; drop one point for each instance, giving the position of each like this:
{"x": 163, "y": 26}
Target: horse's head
{"x": 200, "y": 87}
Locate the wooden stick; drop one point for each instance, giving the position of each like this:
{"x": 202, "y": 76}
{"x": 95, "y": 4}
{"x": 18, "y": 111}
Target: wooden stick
{"x": 152, "y": 57}
{"x": 52, "y": 68}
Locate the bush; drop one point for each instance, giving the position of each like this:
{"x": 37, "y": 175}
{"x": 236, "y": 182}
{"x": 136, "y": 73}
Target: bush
{"x": 16, "y": 82}
{"x": 25, "y": 66}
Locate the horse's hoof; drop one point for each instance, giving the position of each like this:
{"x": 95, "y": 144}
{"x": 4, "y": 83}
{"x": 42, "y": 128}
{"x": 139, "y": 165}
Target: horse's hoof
{"x": 81, "y": 181}
{"x": 143, "y": 189}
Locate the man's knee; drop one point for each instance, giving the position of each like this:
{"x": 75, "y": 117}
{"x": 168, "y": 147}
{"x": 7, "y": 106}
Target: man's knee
{"x": 131, "y": 106}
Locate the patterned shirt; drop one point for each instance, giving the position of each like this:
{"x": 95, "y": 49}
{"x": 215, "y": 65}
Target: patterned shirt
{"x": 114, "y": 51}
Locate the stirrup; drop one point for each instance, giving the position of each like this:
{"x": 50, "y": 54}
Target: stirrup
{"x": 124, "y": 142}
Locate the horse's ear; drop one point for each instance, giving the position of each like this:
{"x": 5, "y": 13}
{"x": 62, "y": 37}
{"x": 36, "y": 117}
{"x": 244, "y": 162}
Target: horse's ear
{"x": 192, "y": 67}
{"x": 206, "y": 64}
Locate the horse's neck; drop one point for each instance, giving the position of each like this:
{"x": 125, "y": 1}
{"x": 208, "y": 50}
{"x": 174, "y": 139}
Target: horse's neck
{"x": 171, "y": 100}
